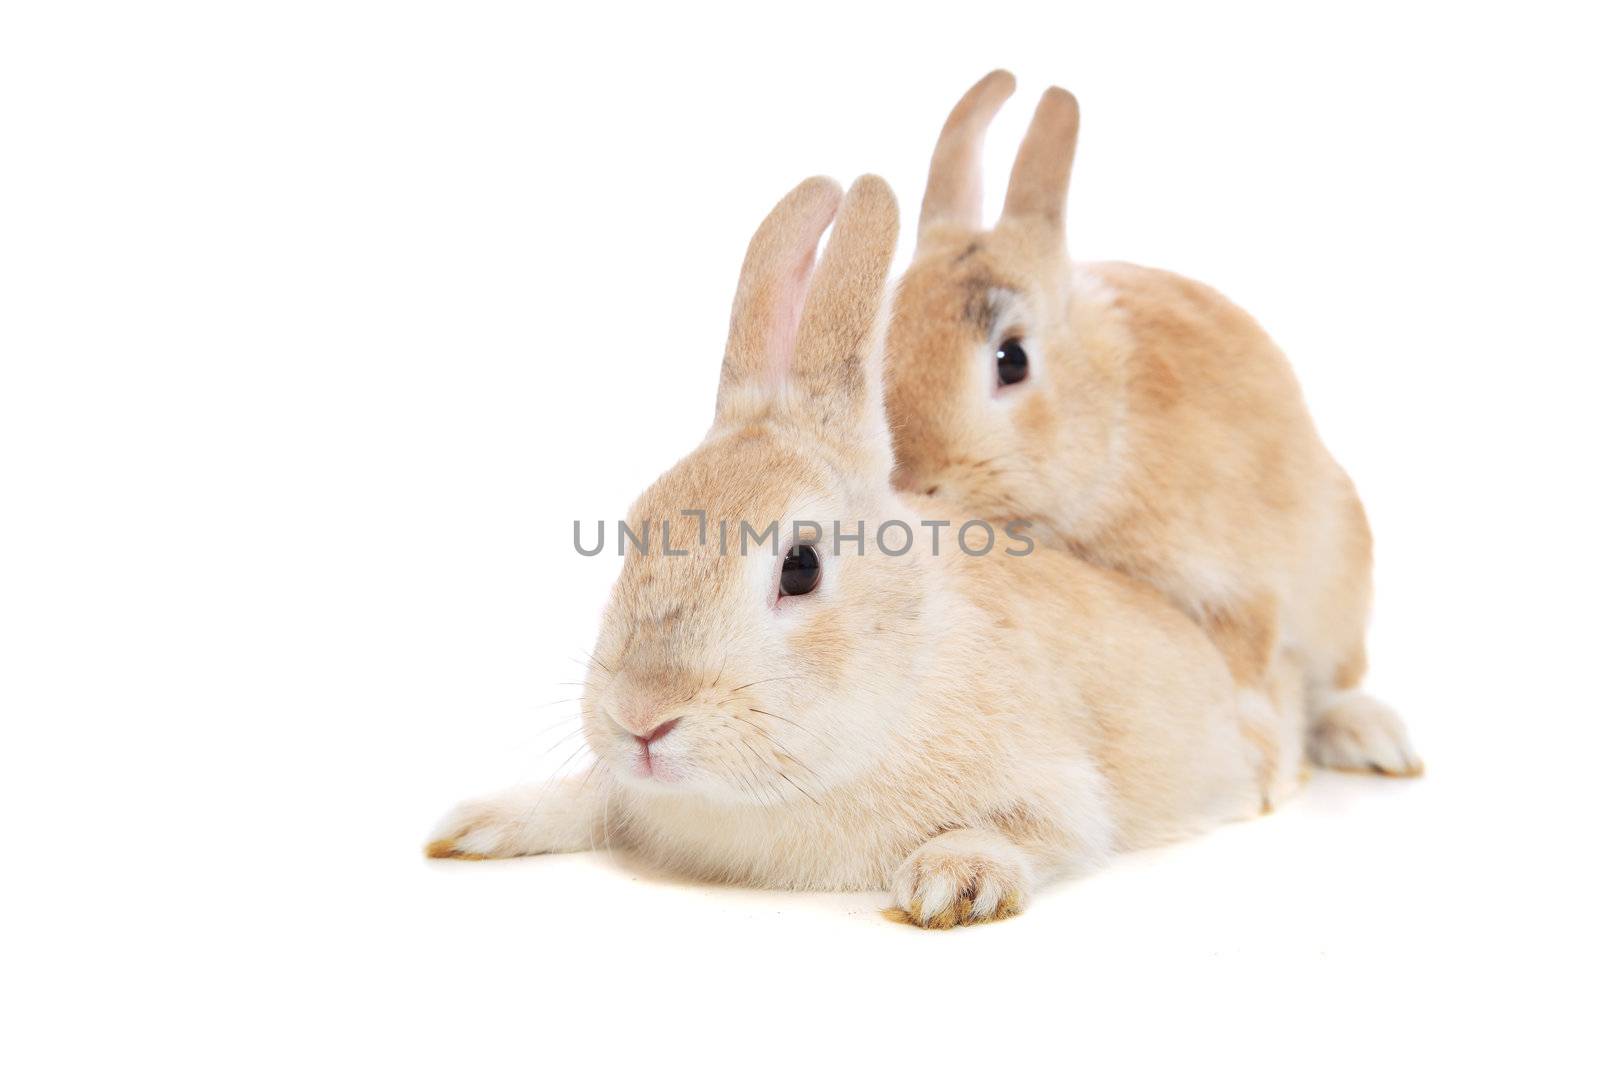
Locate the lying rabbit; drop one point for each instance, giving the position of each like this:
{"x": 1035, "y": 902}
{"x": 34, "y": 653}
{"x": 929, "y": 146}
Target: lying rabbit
{"x": 1145, "y": 423}
{"x": 824, "y": 713}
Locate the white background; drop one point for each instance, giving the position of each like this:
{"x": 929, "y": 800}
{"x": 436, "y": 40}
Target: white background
{"x": 320, "y": 323}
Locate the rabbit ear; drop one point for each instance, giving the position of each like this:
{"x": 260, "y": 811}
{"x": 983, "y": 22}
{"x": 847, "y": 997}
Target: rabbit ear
{"x": 1038, "y": 189}
{"x": 955, "y": 177}
{"x": 835, "y": 368}
{"x": 771, "y": 294}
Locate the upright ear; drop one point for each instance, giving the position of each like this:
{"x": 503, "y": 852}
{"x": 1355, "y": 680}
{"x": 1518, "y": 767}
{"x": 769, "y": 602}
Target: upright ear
{"x": 771, "y": 294}
{"x": 809, "y": 347}
{"x": 955, "y": 177}
{"x": 1038, "y": 189}
{"x": 835, "y": 375}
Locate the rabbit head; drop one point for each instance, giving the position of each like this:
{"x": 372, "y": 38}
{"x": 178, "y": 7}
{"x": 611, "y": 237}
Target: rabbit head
{"x": 989, "y": 402}
{"x": 743, "y": 651}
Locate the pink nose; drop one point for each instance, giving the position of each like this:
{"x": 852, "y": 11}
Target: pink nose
{"x": 658, "y": 733}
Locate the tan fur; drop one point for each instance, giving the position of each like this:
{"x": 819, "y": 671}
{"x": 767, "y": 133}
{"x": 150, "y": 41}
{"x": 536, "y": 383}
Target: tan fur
{"x": 1160, "y": 431}
{"x": 953, "y": 728}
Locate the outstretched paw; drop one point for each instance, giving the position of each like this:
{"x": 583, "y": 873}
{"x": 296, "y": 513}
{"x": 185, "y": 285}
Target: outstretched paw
{"x": 960, "y": 878}
{"x": 525, "y": 821}
{"x": 478, "y": 830}
{"x": 1354, "y": 732}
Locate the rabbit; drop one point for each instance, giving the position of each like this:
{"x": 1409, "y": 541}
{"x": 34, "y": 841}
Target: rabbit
{"x": 1141, "y": 420}
{"x": 844, "y": 708}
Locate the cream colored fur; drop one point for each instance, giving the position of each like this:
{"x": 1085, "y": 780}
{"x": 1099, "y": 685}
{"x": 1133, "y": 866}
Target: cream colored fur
{"x": 954, "y": 729}
{"x": 1160, "y": 432}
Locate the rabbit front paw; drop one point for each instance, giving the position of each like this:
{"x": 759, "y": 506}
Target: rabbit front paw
{"x": 526, "y": 821}
{"x": 960, "y": 878}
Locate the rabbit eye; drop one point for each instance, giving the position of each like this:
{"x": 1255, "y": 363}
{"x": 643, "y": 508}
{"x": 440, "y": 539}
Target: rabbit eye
{"x": 1011, "y": 362}
{"x": 801, "y": 571}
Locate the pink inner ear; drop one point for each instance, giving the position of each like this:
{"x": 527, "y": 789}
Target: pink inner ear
{"x": 792, "y": 283}
{"x": 788, "y": 302}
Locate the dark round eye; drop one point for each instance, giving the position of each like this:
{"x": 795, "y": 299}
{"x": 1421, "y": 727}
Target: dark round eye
{"x": 801, "y": 571}
{"x": 1011, "y": 362}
